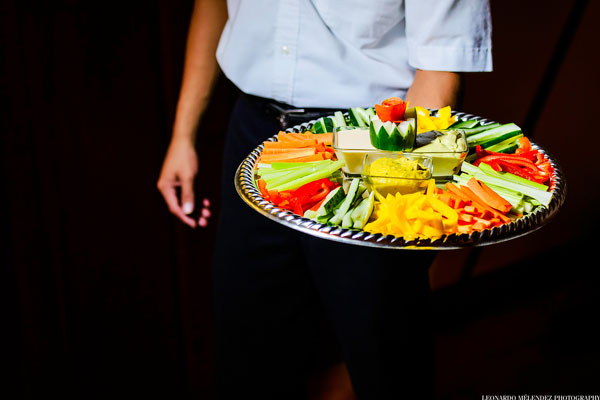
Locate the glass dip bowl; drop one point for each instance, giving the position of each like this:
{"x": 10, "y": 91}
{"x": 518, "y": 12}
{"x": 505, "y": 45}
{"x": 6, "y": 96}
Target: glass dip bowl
{"x": 394, "y": 172}
{"x": 447, "y": 152}
{"x": 351, "y": 143}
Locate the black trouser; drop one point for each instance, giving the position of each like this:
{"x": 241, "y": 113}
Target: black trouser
{"x": 278, "y": 291}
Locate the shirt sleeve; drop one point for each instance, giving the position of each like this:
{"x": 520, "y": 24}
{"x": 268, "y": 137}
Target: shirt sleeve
{"x": 449, "y": 35}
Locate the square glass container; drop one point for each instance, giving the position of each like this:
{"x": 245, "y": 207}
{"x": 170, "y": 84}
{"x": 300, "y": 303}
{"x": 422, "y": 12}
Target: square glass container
{"x": 396, "y": 174}
{"x": 351, "y": 143}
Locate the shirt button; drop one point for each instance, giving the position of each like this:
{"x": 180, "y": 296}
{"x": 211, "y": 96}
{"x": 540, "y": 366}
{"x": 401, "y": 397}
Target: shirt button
{"x": 285, "y": 49}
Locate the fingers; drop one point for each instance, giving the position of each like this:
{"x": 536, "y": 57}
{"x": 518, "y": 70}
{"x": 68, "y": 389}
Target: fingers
{"x": 187, "y": 195}
{"x": 205, "y": 214}
{"x": 170, "y": 195}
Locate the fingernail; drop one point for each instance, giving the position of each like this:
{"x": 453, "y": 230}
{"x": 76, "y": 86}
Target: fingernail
{"x": 202, "y": 222}
{"x": 206, "y": 203}
{"x": 188, "y": 208}
{"x": 206, "y": 212}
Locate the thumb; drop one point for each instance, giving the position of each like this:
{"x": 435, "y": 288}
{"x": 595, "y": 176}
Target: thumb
{"x": 187, "y": 195}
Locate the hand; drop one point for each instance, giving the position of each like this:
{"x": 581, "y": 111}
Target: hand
{"x": 179, "y": 170}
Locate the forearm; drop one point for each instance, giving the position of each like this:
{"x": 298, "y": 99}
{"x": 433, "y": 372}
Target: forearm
{"x": 200, "y": 67}
{"x": 434, "y": 89}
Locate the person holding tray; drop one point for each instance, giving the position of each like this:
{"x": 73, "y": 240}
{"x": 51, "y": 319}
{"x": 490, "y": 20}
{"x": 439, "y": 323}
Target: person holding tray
{"x": 280, "y": 294}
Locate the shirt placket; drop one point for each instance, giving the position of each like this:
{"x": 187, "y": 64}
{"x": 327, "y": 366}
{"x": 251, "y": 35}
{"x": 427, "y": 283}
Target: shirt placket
{"x": 285, "y": 51}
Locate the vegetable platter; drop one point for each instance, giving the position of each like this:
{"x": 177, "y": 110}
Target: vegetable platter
{"x": 400, "y": 177}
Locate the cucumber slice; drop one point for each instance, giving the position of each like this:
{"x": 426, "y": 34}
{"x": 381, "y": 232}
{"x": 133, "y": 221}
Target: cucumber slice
{"x": 323, "y": 125}
{"x": 507, "y": 146}
{"x": 356, "y": 118}
{"x": 464, "y": 124}
{"x": 331, "y": 201}
{"x": 482, "y": 128}
{"x": 343, "y": 208}
{"x": 347, "y": 221}
{"x": 494, "y": 135}
{"x": 359, "y": 194}
{"x": 366, "y": 114}
{"x": 362, "y": 213}
{"x": 310, "y": 214}
{"x": 338, "y": 119}
{"x": 323, "y": 219}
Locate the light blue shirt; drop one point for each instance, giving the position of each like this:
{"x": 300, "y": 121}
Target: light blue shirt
{"x": 347, "y": 53}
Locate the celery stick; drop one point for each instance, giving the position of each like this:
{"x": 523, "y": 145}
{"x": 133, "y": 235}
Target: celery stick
{"x": 469, "y": 168}
{"x": 290, "y": 176}
{"x": 542, "y": 196}
{"x": 322, "y": 172}
{"x": 483, "y": 167}
{"x": 293, "y": 165}
{"x": 278, "y": 168}
{"x": 279, "y": 175}
{"x": 512, "y": 141}
{"x": 507, "y": 175}
{"x": 273, "y": 172}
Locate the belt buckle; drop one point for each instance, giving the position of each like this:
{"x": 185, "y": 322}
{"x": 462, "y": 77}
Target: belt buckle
{"x": 284, "y": 114}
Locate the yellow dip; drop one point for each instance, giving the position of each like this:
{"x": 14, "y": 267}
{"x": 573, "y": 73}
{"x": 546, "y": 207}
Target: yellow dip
{"x": 396, "y": 175}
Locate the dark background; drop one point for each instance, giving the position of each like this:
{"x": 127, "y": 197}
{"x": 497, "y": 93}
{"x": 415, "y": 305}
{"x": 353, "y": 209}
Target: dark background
{"x": 106, "y": 293}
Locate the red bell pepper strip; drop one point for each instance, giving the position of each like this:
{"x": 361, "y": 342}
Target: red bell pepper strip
{"x": 523, "y": 172}
{"x": 300, "y": 199}
{"x": 391, "y": 109}
{"x": 481, "y": 152}
{"x": 312, "y": 187}
{"x": 321, "y": 194}
{"x": 274, "y": 196}
{"x": 296, "y": 206}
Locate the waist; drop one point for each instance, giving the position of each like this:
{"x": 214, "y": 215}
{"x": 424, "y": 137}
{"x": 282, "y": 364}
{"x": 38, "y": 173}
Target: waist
{"x": 286, "y": 115}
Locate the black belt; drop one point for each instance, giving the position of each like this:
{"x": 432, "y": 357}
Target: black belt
{"x": 287, "y": 115}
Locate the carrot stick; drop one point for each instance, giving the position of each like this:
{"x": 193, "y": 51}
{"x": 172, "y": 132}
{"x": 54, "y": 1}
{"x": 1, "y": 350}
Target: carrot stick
{"x": 489, "y": 199}
{"x": 289, "y": 144}
{"x": 296, "y": 152}
{"x": 290, "y": 153}
{"x": 325, "y": 138}
{"x": 450, "y": 199}
{"x": 268, "y": 159}
{"x": 452, "y": 188}
{"x": 506, "y": 206}
{"x": 313, "y": 157}
{"x": 292, "y": 136}
{"x": 464, "y": 218}
{"x": 481, "y": 204}
{"x": 283, "y": 137}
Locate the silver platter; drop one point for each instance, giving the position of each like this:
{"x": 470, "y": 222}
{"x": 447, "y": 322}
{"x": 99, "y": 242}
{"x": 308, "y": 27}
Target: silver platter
{"x": 246, "y": 188}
